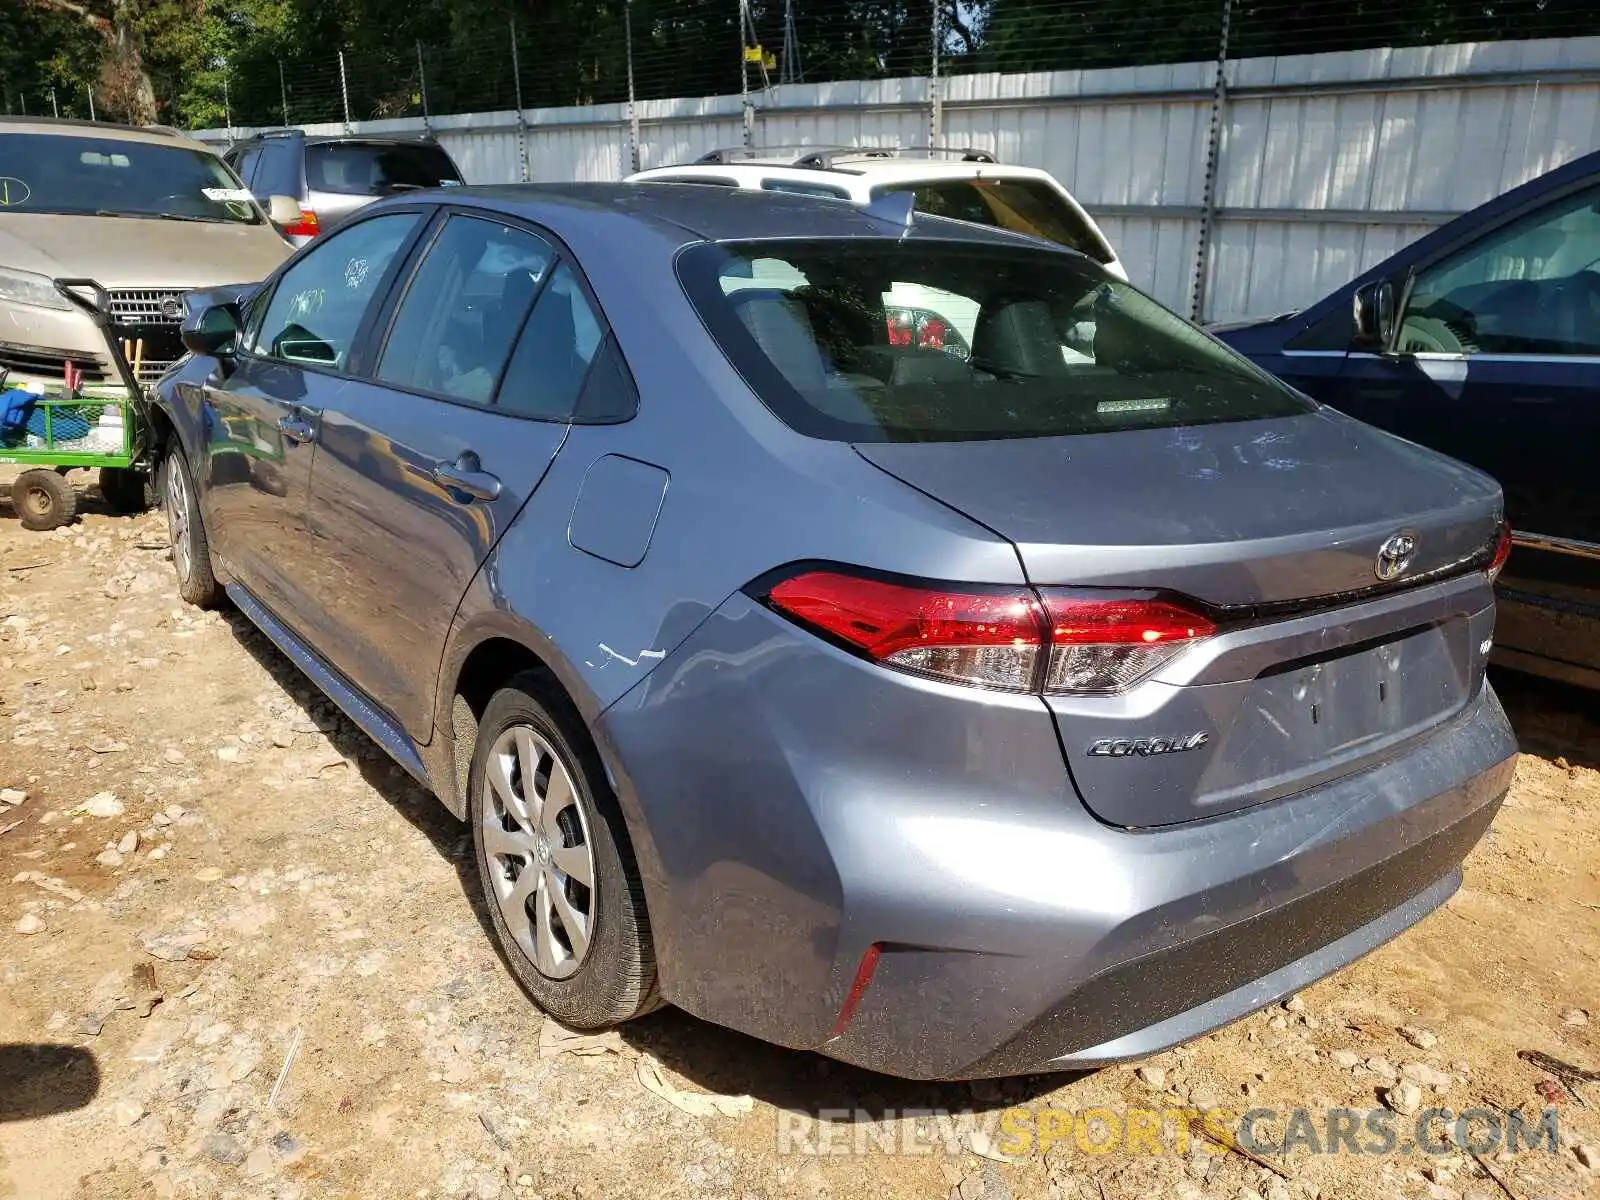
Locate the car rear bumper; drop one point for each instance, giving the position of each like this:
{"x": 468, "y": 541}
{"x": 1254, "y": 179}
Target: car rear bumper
{"x": 793, "y": 807}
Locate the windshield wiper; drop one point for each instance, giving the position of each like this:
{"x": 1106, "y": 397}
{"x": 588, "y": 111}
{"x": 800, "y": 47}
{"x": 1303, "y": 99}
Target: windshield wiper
{"x": 158, "y": 216}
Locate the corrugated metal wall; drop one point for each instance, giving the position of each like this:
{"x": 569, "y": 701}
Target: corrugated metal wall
{"x": 1327, "y": 163}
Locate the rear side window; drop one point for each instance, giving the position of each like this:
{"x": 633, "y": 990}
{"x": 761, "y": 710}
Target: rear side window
{"x": 463, "y": 308}
{"x": 709, "y": 180}
{"x": 553, "y": 355}
{"x": 371, "y": 169}
{"x": 1020, "y": 205}
{"x": 245, "y": 164}
{"x": 800, "y": 188}
{"x": 923, "y": 340}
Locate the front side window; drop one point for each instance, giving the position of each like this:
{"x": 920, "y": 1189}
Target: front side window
{"x": 68, "y": 175}
{"x": 921, "y": 340}
{"x": 463, "y": 309}
{"x": 1530, "y": 287}
{"x": 1026, "y": 206}
{"x": 316, "y": 309}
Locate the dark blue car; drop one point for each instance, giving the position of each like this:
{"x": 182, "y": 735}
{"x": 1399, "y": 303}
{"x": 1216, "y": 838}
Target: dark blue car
{"x": 1483, "y": 340}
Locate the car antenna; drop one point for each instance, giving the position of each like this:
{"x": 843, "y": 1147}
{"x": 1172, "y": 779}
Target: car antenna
{"x": 895, "y": 208}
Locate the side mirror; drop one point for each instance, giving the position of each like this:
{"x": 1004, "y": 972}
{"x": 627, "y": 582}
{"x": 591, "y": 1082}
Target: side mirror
{"x": 283, "y": 210}
{"x": 213, "y": 331}
{"x": 1374, "y": 306}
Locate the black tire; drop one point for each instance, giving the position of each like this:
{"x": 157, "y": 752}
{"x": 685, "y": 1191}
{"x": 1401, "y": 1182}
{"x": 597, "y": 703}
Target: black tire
{"x": 615, "y": 980}
{"x": 43, "y": 500}
{"x": 123, "y": 489}
{"x": 191, "y": 561}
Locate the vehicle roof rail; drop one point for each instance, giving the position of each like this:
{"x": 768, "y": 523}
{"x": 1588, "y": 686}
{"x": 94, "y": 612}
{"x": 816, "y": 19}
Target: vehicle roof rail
{"x": 794, "y": 151}
{"x": 964, "y": 153}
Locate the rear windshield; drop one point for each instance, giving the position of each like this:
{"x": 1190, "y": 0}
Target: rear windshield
{"x": 923, "y": 340}
{"x": 1021, "y": 205}
{"x": 369, "y": 169}
{"x": 118, "y": 177}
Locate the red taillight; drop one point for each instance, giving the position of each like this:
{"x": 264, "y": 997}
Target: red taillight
{"x": 306, "y": 226}
{"x": 1008, "y": 638}
{"x": 916, "y": 327}
{"x": 988, "y": 638}
{"x": 1502, "y": 550}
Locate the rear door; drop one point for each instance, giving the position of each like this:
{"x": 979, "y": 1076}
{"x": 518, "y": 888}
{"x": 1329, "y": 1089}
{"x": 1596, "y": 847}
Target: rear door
{"x": 1497, "y": 362}
{"x": 260, "y": 418}
{"x": 422, "y": 466}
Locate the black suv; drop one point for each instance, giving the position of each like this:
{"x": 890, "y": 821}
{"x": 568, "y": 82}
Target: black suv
{"x": 334, "y": 176}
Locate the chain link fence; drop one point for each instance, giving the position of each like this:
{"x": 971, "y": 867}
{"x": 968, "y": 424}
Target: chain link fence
{"x": 609, "y": 51}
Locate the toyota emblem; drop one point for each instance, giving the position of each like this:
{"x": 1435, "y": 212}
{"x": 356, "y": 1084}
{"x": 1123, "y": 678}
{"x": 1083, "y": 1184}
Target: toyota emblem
{"x": 1394, "y": 556}
{"x": 172, "y": 307}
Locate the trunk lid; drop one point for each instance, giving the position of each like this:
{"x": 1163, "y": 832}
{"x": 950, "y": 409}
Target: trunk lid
{"x": 1317, "y": 669}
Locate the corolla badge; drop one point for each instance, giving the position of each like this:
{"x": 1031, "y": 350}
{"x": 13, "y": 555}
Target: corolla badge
{"x": 1394, "y": 556}
{"x": 1146, "y": 746}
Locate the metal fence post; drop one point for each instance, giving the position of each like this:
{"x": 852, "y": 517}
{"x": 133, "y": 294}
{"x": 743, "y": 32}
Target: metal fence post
{"x": 633, "y": 111}
{"x": 227, "y": 103}
{"x": 88, "y": 90}
{"x": 283, "y": 92}
{"x": 54, "y": 107}
{"x": 344, "y": 91}
{"x": 935, "y": 95}
{"x": 1208, "y": 201}
{"x": 422, "y": 86}
{"x": 516, "y": 80}
{"x": 747, "y": 108}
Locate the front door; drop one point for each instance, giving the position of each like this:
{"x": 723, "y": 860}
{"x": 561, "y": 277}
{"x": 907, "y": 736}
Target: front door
{"x": 422, "y": 467}
{"x": 1496, "y": 361}
{"x": 260, "y": 416}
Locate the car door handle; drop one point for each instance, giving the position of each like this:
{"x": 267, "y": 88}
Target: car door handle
{"x": 297, "y": 428}
{"x": 467, "y": 476}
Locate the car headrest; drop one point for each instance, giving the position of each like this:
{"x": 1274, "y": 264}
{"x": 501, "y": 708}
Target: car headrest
{"x": 1020, "y": 337}
{"x": 780, "y": 326}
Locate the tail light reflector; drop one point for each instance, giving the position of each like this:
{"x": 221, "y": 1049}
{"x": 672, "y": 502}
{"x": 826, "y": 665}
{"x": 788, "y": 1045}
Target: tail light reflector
{"x": 858, "y": 987}
{"x": 1502, "y": 550}
{"x": 1010, "y": 639}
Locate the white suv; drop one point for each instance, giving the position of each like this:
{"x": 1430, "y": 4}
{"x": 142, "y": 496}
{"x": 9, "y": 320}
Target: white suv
{"x": 967, "y": 185}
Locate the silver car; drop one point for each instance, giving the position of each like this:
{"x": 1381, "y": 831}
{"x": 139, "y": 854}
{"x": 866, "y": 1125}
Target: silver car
{"x": 331, "y": 177}
{"x": 952, "y": 708}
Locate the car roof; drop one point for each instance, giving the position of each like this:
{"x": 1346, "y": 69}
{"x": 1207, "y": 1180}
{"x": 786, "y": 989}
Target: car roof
{"x": 343, "y": 139}
{"x": 158, "y": 135}
{"x": 689, "y": 213}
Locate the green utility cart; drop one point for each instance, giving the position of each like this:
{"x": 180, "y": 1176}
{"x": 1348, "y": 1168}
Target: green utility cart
{"x": 57, "y": 429}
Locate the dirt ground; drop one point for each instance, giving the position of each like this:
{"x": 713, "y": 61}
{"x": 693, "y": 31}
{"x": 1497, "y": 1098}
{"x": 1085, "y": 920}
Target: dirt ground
{"x": 243, "y": 952}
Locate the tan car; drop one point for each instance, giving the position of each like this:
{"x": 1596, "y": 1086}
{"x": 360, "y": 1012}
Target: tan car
{"x": 146, "y": 212}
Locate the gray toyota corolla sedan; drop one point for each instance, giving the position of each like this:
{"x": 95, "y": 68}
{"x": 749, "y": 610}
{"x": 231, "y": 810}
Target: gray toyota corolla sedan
{"x": 883, "y": 635}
